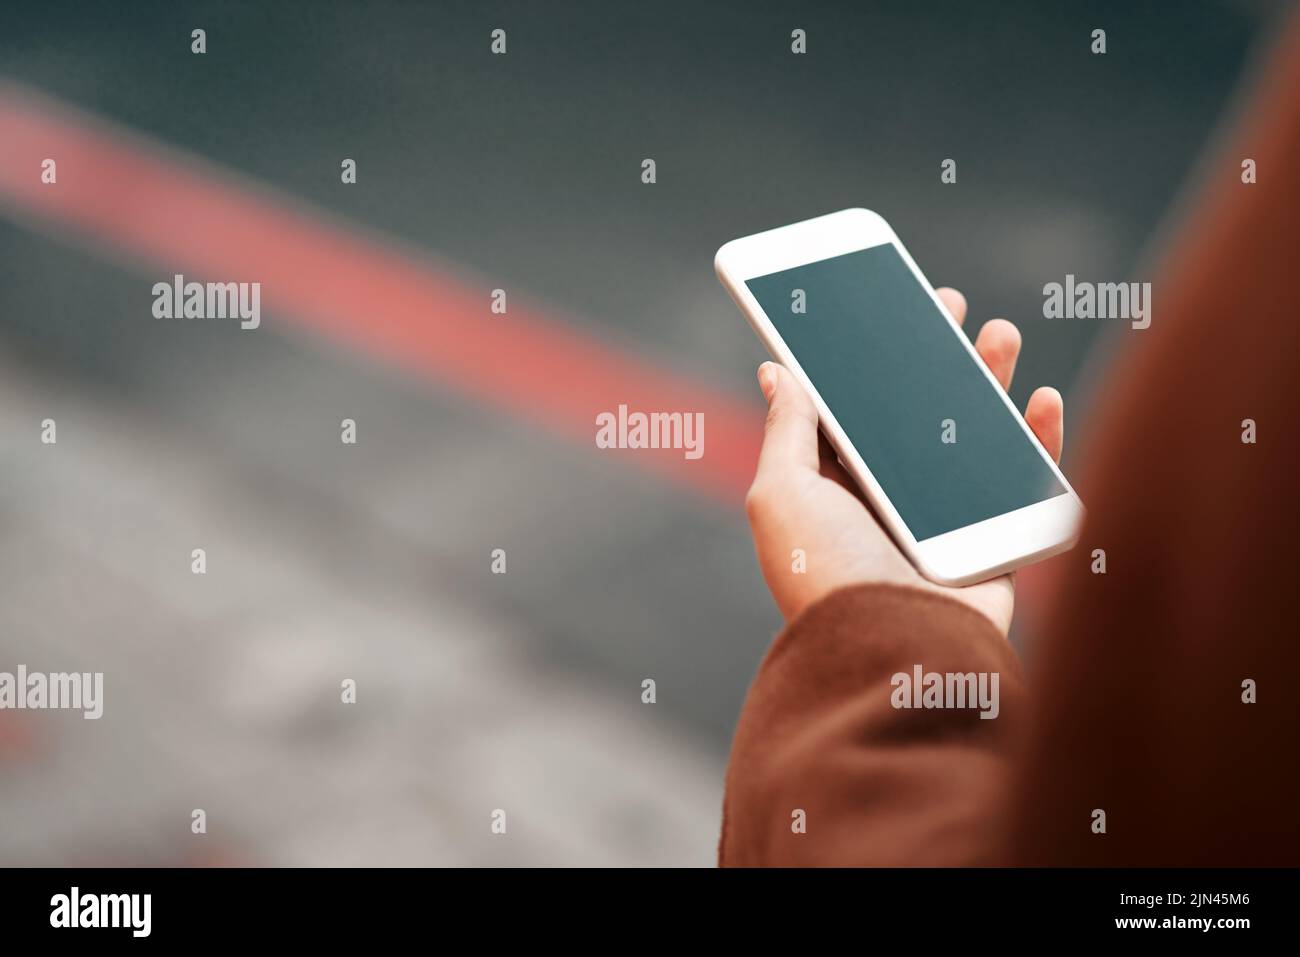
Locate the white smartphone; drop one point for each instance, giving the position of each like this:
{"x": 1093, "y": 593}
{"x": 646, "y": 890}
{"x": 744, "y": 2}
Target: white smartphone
{"x": 950, "y": 467}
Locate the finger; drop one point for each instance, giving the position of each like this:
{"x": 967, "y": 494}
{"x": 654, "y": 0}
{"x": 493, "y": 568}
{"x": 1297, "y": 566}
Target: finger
{"x": 998, "y": 344}
{"x": 1045, "y": 414}
{"x": 954, "y": 301}
{"x": 790, "y": 434}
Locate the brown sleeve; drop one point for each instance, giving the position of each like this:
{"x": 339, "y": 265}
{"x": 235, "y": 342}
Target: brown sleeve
{"x": 877, "y": 785}
{"x": 1142, "y": 709}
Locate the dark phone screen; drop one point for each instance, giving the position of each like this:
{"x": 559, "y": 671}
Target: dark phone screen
{"x": 923, "y": 416}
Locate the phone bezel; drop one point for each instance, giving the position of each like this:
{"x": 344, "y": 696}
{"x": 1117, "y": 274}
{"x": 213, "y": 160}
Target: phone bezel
{"x": 962, "y": 556}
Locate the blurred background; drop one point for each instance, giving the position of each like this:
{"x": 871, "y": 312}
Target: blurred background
{"x": 477, "y": 691}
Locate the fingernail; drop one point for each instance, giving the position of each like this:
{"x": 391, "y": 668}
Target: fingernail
{"x": 767, "y": 380}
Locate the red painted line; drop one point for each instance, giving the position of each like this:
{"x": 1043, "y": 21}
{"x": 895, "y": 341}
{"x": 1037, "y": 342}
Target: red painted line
{"x": 170, "y": 211}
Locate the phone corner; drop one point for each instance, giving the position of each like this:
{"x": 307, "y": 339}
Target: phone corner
{"x": 950, "y": 581}
{"x": 720, "y": 260}
{"x": 867, "y": 215}
{"x": 931, "y": 573}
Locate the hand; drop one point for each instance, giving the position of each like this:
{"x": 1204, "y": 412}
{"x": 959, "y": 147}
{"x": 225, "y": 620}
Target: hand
{"x": 802, "y": 498}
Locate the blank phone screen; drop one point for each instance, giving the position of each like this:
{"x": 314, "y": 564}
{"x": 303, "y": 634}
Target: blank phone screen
{"x": 930, "y": 426}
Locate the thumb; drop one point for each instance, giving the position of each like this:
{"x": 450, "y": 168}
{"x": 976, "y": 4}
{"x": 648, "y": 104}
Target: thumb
{"x": 790, "y": 435}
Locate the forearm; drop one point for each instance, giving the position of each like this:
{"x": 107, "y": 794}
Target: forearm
{"x": 834, "y": 763}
